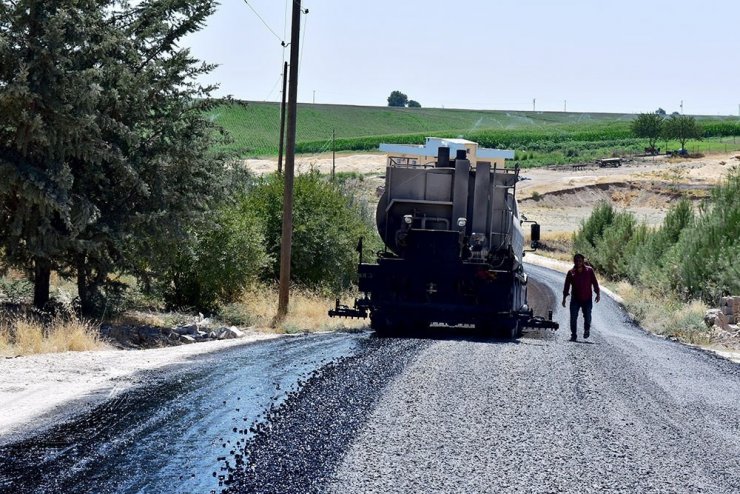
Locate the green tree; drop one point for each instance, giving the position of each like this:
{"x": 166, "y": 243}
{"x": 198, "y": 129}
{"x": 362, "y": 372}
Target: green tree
{"x": 682, "y": 128}
{"x": 219, "y": 262}
{"x": 648, "y": 126}
{"x": 397, "y": 98}
{"x": 414, "y": 104}
{"x": 648, "y": 261}
{"x": 327, "y": 225}
{"x": 103, "y": 147}
{"x": 592, "y": 229}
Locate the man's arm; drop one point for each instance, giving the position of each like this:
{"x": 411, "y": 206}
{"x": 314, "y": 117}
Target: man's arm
{"x": 595, "y": 284}
{"x": 566, "y": 288}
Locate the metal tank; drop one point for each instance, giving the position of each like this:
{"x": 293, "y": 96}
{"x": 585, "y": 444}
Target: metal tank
{"x": 454, "y": 243}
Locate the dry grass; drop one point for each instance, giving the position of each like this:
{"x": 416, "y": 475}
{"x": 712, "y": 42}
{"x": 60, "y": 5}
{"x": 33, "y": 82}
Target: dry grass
{"x": 557, "y": 245}
{"x": 27, "y": 336}
{"x": 665, "y": 315}
{"x": 307, "y": 311}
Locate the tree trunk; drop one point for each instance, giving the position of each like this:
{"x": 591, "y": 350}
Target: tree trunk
{"x": 41, "y": 278}
{"x": 82, "y": 288}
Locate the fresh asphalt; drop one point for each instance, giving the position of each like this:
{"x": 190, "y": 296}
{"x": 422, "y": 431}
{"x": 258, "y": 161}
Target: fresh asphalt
{"x": 449, "y": 411}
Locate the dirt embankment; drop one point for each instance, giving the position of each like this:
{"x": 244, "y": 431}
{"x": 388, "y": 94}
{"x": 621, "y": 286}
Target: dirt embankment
{"x": 561, "y": 198}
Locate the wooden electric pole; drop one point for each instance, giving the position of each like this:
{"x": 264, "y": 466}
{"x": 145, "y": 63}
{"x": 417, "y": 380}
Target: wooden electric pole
{"x": 282, "y": 121}
{"x": 287, "y": 233}
{"x": 333, "y": 155}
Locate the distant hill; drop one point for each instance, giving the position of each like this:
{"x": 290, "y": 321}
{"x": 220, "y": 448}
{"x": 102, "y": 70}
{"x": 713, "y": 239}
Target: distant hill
{"x": 553, "y": 136}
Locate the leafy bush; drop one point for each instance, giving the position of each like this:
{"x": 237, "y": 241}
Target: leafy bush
{"x": 610, "y": 254}
{"x": 607, "y": 240}
{"x": 592, "y": 229}
{"x": 326, "y": 227}
{"x": 16, "y": 290}
{"x": 648, "y": 259}
{"x": 691, "y": 256}
{"x": 703, "y": 262}
{"x": 218, "y": 262}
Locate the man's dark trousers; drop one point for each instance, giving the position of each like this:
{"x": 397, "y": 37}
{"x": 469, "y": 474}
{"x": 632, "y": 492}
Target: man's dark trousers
{"x": 575, "y": 306}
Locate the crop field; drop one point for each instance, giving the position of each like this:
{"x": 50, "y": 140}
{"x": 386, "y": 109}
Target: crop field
{"x": 538, "y": 138}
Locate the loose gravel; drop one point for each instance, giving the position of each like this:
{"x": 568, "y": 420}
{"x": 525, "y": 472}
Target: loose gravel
{"x": 296, "y": 448}
{"x": 624, "y": 411}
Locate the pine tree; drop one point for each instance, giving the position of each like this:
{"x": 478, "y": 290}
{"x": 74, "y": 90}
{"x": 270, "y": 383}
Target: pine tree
{"x": 104, "y": 150}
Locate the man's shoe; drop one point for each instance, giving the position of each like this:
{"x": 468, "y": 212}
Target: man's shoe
{"x": 586, "y": 334}
{"x": 573, "y": 337}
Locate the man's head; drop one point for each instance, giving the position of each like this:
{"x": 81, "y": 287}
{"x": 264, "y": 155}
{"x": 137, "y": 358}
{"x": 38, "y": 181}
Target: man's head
{"x": 579, "y": 260}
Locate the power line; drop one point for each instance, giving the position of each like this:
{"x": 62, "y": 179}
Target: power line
{"x": 303, "y": 41}
{"x": 285, "y": 23}
{"x": 265, "y": 23}
{"x": 269, "y": 95}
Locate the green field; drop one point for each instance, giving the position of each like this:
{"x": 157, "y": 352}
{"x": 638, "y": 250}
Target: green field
{"x": 537, "y": 137}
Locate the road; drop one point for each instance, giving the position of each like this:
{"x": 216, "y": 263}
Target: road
{"x": 451, "y": 412}
{"x": 624, "y": 411}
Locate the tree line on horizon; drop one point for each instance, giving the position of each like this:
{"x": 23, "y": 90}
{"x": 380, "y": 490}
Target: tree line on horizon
{"x": 655, "y": 126}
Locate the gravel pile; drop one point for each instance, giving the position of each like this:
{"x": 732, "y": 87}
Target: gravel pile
{"x": 296, "y": 448}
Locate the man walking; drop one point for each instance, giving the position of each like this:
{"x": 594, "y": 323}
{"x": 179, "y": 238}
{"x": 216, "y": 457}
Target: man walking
{"x": 581, "y": 278}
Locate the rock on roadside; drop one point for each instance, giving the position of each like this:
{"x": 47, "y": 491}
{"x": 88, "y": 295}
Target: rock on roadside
{"x": 154, "y": 337}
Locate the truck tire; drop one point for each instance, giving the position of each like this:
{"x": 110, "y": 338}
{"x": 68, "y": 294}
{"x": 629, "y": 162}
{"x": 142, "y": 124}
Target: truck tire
{"x": 382, "y": 324}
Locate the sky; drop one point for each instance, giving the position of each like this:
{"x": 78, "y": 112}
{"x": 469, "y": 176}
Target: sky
{"x": 621, "y": 56}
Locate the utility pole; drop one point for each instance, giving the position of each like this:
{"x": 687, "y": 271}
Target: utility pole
{"x": 534, "y": 101}
{"x": 681, "y": 107}
{"x": 287, "y": 231}
{"x": 333, "y": 155}
{"x": 314, "y": 97}
{"x": 565, "y": 105}
{"x": 282, "y": 121}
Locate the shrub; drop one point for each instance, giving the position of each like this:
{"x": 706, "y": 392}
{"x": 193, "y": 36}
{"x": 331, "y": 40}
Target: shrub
{"x": 609, "y": 254}
{"x": 16, "y": 290}
{"x": 592, "y": 229}
{"x": 219, "y": 262}
{"x": 703, "y": 262}
{"x": 327, "y": 224}
{"x": 665, "y": 314}
{"x": 26, "y": 335}
{"x": 648, "y": 259}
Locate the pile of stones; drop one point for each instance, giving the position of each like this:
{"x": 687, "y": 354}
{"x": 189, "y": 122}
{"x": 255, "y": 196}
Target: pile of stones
{"x": 151, "y": 336}
{"x": 727, "y": 317}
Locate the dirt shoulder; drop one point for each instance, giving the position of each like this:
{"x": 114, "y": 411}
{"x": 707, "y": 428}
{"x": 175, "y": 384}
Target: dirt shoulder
{"x": 39, "y": 390}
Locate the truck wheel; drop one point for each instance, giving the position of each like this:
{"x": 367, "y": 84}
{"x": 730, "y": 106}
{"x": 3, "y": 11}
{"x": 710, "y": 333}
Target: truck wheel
{"x": 417, "y": 325}
{"x": 382, "y": 324}
{"x": 508, "y": 330}
{"x": 516, "y": 330}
